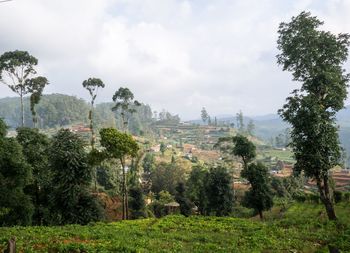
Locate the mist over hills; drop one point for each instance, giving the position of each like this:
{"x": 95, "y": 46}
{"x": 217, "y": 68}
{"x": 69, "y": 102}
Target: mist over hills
{"x": 271, "y": 125}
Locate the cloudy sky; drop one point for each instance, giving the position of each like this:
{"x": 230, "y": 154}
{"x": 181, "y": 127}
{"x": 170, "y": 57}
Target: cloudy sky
{"x": 179, "y": 55}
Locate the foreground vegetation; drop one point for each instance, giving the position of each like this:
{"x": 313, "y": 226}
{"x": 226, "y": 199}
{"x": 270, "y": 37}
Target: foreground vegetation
{"x": 301, "y": 228}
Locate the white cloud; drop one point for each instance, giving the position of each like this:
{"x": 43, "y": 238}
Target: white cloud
{"x": 179, "y": 55}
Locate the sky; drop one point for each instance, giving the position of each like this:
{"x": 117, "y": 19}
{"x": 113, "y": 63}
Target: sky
{"x": 177, "y": 55}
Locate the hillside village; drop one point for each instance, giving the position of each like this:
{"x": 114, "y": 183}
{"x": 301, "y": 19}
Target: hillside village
{"x": 194, "y": 143}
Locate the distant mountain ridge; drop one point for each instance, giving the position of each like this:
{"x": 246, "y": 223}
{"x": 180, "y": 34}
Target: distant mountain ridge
{"x": 271, "y": 125}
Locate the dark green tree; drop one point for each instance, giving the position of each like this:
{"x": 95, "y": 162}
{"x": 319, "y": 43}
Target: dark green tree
{"x": 181, "y": 198}
{"x": 35, "y": 149}
{"x": 17, "y": 72}
{"x": 135, "y": 169}
{"x": 108, "y": 177}
{"x": 219, "y": 191}
{"x": 137, "y": 203}
{"x": 125, "y": 105}
{"x": 238, "y": 146}
{"x": 196, "y": 187}
{"x": 166, "y": 176}
{"x": 35, "y": 87}
{"x": 278, "y": 187}
{"x": 119, "y": 146}
{"x": 158, "y": 205}
{"x": 315, "y": 58}
{"x": 260, "y": 196}
{"x": 148, "y": 165}
{"x": 16, "y": 207}
{"x": 92, "y": 85}
{"x": 72, "y": 199}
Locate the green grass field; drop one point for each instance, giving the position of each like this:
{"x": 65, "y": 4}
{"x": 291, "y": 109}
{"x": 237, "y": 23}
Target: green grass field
{"x": 302, "y": 228}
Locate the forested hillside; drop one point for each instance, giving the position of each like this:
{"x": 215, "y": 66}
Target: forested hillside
{"x": 58, "y": 110}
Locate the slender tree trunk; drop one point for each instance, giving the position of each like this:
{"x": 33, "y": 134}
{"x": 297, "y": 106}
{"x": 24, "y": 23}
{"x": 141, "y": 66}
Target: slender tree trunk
{"x": 261, "y": 215}
{"x": 125, "y": 123}
{"x": 325, "y": 196}
{"x": 92, "y": 142}
{"x": 22, "y": 109}
{"x": 92, "y": 127}
{"x": 124, "y": 192}
{"x": 126, "y": 201}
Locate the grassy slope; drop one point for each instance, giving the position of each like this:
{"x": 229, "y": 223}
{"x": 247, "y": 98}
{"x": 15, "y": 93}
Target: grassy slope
{"x": 303, "y": 228}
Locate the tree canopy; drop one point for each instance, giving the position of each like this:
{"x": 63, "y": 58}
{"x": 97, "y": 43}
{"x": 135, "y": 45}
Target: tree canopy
{"x": 15, "y": 174}
{"x": 17, "y": 70}
{"x": 260, "y": 196}
{"x": 125, "y": 104}
{"x": 238, "y": 146}
{"x": 315, "y": 58}
{"x": 73, "y": 203}
{"x": 92, "y": 85}
{"x": 119, "y": 146}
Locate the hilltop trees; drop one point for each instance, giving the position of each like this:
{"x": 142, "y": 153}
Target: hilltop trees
{"x": 92, "y": 85}
{"x": 315, "y": 58}
{"x": 17, "y": 71}
{"x": 36, "y": 87}
{"x": 125, "y": 104}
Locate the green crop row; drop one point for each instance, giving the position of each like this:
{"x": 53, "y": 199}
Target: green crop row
{"x": 302, "y": 228}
